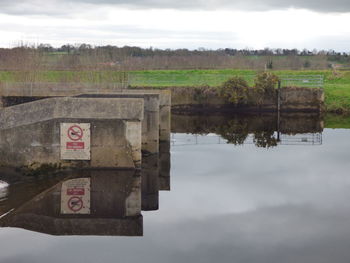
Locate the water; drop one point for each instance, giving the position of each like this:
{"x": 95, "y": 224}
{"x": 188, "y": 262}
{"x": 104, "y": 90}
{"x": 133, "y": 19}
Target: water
{"x": 277, "y": 193}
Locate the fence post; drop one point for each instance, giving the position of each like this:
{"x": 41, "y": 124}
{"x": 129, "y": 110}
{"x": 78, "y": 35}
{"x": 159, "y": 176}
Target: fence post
{"x": 278, "y": 110}
{"x": 279, "y": 96}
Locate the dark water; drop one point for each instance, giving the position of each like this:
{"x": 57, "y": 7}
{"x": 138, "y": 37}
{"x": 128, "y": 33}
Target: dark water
{"x": 278, "y": 192}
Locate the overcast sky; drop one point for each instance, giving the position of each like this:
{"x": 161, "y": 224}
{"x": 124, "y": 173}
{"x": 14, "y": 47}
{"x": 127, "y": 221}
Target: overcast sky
{"x": 319, "y": 24}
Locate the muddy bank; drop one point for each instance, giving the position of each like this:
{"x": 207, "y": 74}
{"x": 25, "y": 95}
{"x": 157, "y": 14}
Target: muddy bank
{"x": 209, "y": 99}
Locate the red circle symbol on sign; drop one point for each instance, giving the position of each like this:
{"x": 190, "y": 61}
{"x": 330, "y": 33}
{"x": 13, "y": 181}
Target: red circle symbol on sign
{"x": 75, "y": 203}
{"x": 75, "y": 133}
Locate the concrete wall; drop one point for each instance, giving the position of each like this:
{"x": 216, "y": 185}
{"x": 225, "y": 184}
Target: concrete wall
{"x": 30, "y": 132}
{"x": 165, "y": 103}
{"x": 302, "y": 99}
{"x": 150, "y": 122}
{"x": 82, "y": 108}
{"x": 115, "y": 208}
{"x": 115, "y": 143}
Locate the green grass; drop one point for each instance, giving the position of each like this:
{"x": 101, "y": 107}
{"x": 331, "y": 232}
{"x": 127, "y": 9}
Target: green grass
{"x": 337, "y": 88}
{"x": 337, "y": 121}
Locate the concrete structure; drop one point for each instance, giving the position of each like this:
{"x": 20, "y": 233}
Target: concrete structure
{"x": 165, "y": 103}
{"x": 114, "y": 200}
{"x": 15, "y": 93}
{"x": 29, "y": 133}
{"x": 150, "y": 122}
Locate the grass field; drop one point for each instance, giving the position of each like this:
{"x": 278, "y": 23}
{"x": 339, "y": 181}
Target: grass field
{"x": 337, "y": 87}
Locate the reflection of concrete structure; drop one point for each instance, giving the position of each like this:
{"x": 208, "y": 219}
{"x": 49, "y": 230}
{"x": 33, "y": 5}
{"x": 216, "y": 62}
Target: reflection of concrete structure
{"x": 164, "y": 165}
{"x": 150, "y": 182}
{"x": 30, "y": 132}
{"x": 115, "y": 207}
{"x": 3, "y": 189}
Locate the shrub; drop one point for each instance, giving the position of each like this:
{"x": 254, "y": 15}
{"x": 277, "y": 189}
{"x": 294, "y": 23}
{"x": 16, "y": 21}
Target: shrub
{"x": 266, "y": 81}
{"x": 234, "y": 89}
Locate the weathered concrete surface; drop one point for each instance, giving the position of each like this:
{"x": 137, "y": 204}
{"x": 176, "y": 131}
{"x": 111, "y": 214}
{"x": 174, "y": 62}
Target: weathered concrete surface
{"x": 115, "y": 208}
{"x": 114, "y": 143}
{"x": 82, "y": 108}
{"x": 150, "y": 122}
{"x": 165, "y": 103}
{"x": 302, "y": 99}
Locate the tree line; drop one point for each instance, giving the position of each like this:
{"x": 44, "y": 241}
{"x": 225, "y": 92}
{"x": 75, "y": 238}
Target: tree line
{"x": 88, "y": 57}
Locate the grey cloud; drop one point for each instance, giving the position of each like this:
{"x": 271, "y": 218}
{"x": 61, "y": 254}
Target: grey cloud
{"x": 67, "y": 6}
{"x": 317, "y": 5}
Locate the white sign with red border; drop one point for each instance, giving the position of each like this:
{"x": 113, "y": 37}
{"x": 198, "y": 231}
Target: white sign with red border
{"x": 75, "y": 141}
{"x": 75, "y": 196}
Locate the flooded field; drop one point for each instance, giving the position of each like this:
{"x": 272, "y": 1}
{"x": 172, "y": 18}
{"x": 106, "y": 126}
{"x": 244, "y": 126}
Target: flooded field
{"x": 241, "y": 188}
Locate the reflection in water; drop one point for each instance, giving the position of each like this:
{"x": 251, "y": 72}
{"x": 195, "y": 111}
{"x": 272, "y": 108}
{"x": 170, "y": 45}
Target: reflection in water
{"x": 227, "y": 204}
{"x": 180, "y": 139}
{"x": 87, "y": 202}
{"x": 263, "y": 131}
{"x": 3, "y": 190}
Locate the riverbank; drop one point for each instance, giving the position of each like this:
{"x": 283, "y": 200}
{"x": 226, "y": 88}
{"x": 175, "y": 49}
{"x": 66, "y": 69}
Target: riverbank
{"x": 336, "y": 84}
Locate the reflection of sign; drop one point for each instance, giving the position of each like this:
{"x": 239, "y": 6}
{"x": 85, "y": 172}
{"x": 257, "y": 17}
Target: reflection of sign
{"x": 75, "y": 141}
{"x": 75, "y": 204}
{"x": 75, "y": 196}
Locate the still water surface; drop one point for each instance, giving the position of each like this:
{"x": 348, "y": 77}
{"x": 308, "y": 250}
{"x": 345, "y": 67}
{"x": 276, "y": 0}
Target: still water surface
{"x": 267, "y": 196}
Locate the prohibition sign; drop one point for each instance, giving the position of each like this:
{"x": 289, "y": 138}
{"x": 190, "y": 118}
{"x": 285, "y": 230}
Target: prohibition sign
{"x": 75, "y": 133}
{"x": 75, "y": 203}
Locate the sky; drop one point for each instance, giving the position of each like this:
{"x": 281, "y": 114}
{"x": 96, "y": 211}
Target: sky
{"x": 210, "y": 24}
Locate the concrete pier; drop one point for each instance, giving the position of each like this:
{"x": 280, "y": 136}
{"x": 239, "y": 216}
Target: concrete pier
{"x": 41, "y": 107}
{"x": 150, "y": 122}
{"x": 30, "y": 132}
{"x": 14, "y": 93}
